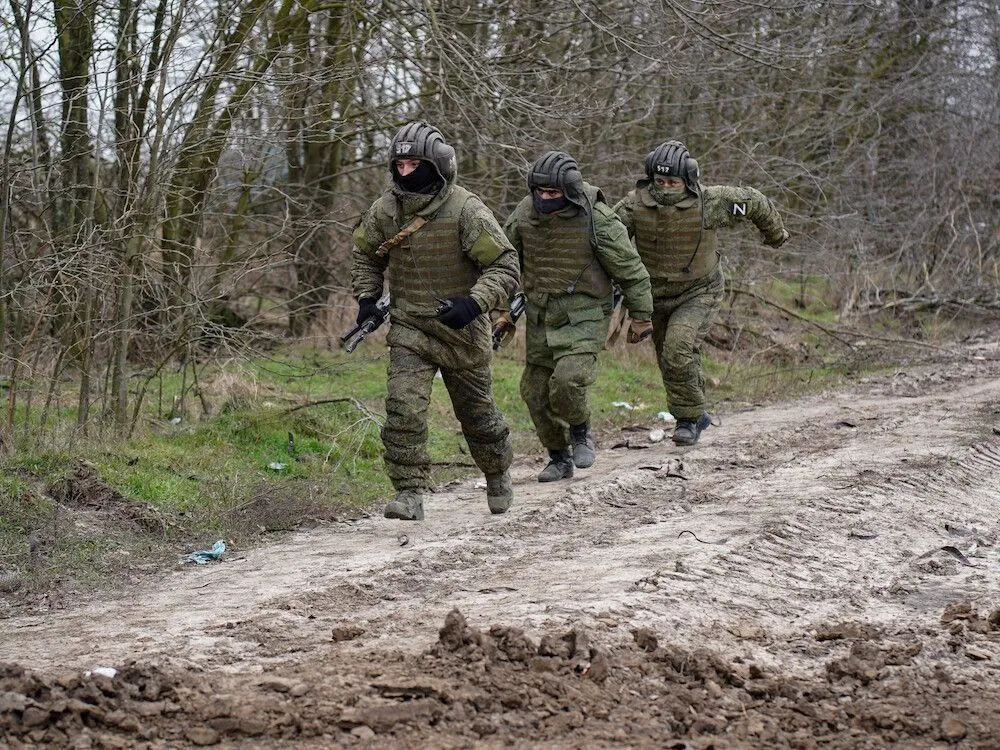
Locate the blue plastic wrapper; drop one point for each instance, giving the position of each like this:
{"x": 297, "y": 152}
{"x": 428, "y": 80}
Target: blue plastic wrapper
{"x": 201, "y": 557}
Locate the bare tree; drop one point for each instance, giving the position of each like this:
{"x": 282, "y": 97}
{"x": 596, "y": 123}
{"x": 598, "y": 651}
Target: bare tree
{"x": 176, "y": 175}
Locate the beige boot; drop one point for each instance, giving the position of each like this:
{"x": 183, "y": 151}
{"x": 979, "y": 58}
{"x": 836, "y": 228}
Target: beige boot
{"x": 499, "y": 492}
{"x": 408, "y": 506}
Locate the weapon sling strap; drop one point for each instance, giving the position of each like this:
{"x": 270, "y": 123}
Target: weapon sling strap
{"x": 618, "y": 317}
{"x": 389, "y": 244}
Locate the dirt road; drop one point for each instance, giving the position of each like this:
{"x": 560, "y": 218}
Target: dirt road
{"x": 819, "y": 573}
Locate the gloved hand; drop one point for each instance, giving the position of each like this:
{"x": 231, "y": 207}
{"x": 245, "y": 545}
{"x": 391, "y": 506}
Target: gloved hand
{"x": 458, "y": 312}
{"x": 638, "y": 330}
{"x": 778, "y": 241}
{"x": 366, "y": 308}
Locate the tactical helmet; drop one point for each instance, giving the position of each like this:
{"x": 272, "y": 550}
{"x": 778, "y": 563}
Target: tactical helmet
{"x": 418, "y": 140}
{"x": 557, "y": 170}
{"x": 671, "y": 159}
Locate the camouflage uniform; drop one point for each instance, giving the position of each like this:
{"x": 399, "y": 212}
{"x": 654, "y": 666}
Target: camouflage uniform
{"x": 460, "y": 251}
{"x": 677, "y": 244}
{"x": 568, "y": 264}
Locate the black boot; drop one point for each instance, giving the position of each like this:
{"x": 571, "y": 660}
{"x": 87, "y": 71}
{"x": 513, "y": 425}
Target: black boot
{"x": 560, "y": 467}
{"x": 688, "y": 430}
{"x": 583, "y": 446}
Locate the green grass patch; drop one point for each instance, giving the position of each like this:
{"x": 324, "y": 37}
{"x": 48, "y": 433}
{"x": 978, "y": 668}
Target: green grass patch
{"x": 764, "y": 383}
{"x": 810, "y": 297}
{"x": 630, "y": 380}
{"x": 20, "y": 511}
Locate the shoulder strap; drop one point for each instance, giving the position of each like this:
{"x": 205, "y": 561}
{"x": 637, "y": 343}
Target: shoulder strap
{"x": 389, "y": 244}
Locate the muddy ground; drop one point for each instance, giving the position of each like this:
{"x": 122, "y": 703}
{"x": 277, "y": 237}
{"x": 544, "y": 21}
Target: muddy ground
{"x": 823, "y": 573}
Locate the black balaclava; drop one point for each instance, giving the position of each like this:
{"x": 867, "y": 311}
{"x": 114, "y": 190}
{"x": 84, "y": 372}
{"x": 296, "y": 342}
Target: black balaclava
{"x": 424, "y": 179}
{"x": 548, "y": 205}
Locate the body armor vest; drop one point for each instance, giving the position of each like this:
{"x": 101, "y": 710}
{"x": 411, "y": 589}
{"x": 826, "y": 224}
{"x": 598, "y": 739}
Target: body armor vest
{"x": 558, "y": 254}
{"x": 430, "y": 264}
{"x": 667, "y": 236}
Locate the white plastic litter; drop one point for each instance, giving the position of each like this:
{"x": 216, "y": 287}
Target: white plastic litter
{"x": 666, "y": 416}
{"x": 624, "y": 405}
{"x": 103, "y": 671}
{"x": 656, "y": 435}
{"x": 276, "y": 465}
{"x": 175, "y": 420}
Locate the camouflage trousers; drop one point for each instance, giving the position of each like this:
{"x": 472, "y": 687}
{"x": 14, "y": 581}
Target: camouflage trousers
{"x": 557, "y": 397}
{"x": 561, "y": 365}
{"x": 681, "y": 321}
{"x": 410, "y": 378}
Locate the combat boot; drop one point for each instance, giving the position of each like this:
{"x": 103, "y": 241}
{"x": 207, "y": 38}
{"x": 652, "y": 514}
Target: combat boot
{"x": 408, "y": 506}
{"x": 583, "y": 446}
{"x": 560, "y": 466}
{"x": 499, "y": 492}
{"x": 688, "y": 431}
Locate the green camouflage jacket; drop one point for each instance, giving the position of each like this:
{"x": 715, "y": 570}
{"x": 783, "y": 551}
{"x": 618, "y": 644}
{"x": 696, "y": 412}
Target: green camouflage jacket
{"x": 725, "y": 206}
{"x": 613, "y": 250}
{"x": 479, "y": 238}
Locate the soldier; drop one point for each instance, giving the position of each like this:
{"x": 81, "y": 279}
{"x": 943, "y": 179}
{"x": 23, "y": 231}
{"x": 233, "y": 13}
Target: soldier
{"x": 448, "y": 263}
{"x": 673, "y": 220}
{"x": 572, "y": 247}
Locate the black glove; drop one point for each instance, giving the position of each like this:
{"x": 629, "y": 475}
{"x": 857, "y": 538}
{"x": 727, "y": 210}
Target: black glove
{"x": 458, "y": 312}
{"x": 366, "y": 308}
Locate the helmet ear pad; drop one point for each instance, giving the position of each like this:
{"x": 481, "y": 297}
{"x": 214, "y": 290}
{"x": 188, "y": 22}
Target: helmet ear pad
{"x": 573, "y": 184}
{"x": 444, "y": 160}
{"x": 691, "y": 172}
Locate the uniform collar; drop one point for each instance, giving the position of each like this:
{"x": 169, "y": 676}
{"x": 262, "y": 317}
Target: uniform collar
{"x": 406, "y": 201}
{"x": 647, "y": 200}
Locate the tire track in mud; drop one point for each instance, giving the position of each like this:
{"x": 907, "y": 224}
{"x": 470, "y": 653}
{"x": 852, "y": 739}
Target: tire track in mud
{"x": 867, "y": 522}
{"x": 808, "y": 551}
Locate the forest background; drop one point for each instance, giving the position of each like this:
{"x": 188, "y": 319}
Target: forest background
{"x": 180, "y": 180}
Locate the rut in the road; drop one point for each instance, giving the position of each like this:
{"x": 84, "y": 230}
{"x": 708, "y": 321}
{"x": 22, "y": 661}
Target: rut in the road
{"x": 867, "y": 542}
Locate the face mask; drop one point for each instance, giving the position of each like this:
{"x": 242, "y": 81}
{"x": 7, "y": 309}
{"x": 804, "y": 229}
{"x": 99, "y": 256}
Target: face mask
{"x": 667, "y": 196}
{"x": 548, "y": 205}
{"x": 423, "y": 179}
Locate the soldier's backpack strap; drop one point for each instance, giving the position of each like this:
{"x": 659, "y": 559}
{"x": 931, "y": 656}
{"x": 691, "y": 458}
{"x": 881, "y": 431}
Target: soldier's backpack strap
{"x": 389, "y": 244}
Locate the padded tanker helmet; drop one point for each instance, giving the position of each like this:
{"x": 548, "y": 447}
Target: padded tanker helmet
{"x": 672, "y": 159}
{"x": 558, "y": 170}
{"x": 418, "y": 140}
